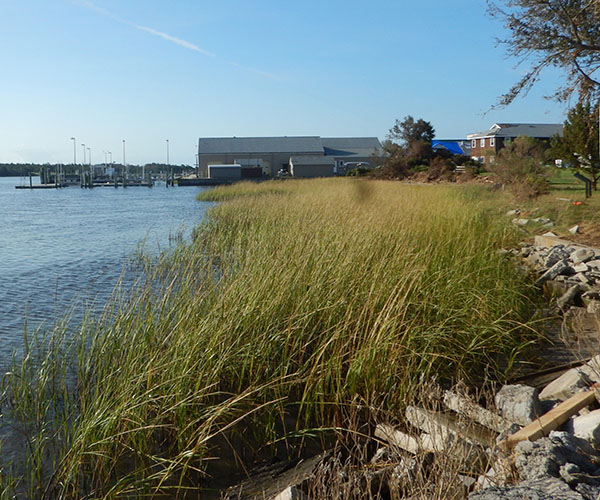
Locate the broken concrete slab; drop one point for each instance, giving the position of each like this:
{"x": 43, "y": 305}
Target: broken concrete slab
{"x": 398, "y": 438}
{"x": 518, "y": 403}
{"x": 567, "y": 299}
{"x": 272, "y": 480}
{"x": 291, "y": 493}
{"x": 580, "y": 268}
{"x": 582, "y": 255}
{"x": 453, "y": 445}
{"x": 560, "y": 267}
{"x": 570, "y": 383}
{"x": 466, "y": 407}
{"x": 594, "y": 264}
{"x": 558, "y": 252}
{"x": 448, "y": 425}
{"x": 549, "y": 241}
{"x": 586, "y": 427}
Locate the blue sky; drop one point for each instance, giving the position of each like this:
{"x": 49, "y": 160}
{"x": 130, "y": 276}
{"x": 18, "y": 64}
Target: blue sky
{"x": 145, "y": 71}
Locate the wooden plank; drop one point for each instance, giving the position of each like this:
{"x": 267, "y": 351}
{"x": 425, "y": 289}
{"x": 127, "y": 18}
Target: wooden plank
{"x": 553, "y": 419}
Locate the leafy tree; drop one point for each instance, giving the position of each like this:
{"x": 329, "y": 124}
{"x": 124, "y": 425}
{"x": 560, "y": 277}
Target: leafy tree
{"x": 580, "y": 140}
{"x": 408, "y": 145}
{"x": 519, "y": 167}
{"x": 414, "y": 135}
{"x": 553, "y": 33}
{"x": 392, "y": 163}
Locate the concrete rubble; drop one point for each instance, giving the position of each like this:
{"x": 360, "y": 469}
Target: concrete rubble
{"x": 518, "y": 403}
{"x": 556, "y": 454}
{"x": 526, "y": 445}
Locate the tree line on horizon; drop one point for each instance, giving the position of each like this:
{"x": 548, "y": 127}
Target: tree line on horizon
{"x": 25, "y": 169}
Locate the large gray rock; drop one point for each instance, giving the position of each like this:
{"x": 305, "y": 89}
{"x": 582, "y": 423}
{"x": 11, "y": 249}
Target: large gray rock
{"x": 540, "y": 489}
{"x": 545, "y": 457}
{"x": 558, "y": 467}
{"x": 518, "y": 403}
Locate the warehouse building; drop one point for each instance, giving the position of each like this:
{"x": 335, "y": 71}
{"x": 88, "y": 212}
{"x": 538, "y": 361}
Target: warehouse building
{"x": 305, "y": 156}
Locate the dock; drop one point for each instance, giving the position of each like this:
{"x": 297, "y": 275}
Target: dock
{"x": 202, "y": 181}
{"x": 40, "y": 186}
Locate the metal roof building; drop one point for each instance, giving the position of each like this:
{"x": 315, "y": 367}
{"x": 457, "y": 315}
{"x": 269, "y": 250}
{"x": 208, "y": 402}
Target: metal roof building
{"x": 269, "y": 155}
{"x": 250, "y": 145}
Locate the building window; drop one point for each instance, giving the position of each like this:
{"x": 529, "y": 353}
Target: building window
{"x": 482, "y": 143}
{"x": 492, "y": 159}
{"x": 474, "y": 143}
{"x": 483, "y": 160}
{"x": 492, "y": 141}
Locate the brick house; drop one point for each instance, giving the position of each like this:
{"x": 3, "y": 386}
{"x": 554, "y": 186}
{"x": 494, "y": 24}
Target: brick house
{"x": 485, "y": 145}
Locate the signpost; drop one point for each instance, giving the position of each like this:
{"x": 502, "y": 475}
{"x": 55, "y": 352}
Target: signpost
{"x": 588, "y": 184}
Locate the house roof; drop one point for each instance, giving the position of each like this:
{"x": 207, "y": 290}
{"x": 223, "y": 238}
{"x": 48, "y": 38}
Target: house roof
{"x": 351, "y": 146}
{"x": 306, "y": 145}
{"x": 452, "y": 146}
{"x": 512, "y": 130}
{"x": 312, "y": 160}
{"x": 234, "y": 145}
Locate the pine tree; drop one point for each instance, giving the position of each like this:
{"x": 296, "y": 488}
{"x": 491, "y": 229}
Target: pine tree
{"x": 579, "y": 143}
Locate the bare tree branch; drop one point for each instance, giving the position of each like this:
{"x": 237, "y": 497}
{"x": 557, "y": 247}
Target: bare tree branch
{"x": 552, "y": 33}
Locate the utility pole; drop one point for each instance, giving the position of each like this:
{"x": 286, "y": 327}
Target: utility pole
{"x": 124, "y": 163}
{"x": 74, "y": 152}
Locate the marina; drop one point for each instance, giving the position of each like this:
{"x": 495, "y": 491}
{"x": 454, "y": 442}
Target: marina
{"x": 43, "y": 276}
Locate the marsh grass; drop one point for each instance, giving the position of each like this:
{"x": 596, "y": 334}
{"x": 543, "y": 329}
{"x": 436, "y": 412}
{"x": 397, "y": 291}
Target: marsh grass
{"x": 293, "y": 300}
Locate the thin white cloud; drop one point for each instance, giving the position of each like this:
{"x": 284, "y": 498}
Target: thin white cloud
{"x": 89, "y": 5}
{"x": 259, "y": 72}
{"x": 170, "y": 38}
{"x": 165, "y": 36}
{"x": 175, "y": 40}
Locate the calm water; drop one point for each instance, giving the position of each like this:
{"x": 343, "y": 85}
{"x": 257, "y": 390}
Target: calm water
{"x": 62, "y": 247}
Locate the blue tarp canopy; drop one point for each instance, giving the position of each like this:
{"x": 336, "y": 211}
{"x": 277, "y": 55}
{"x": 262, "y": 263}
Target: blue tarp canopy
{"x": 451, "y": 146}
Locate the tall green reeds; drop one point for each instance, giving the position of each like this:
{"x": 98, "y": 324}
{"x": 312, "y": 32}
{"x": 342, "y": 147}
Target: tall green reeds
{"x": 293, "y": 300}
